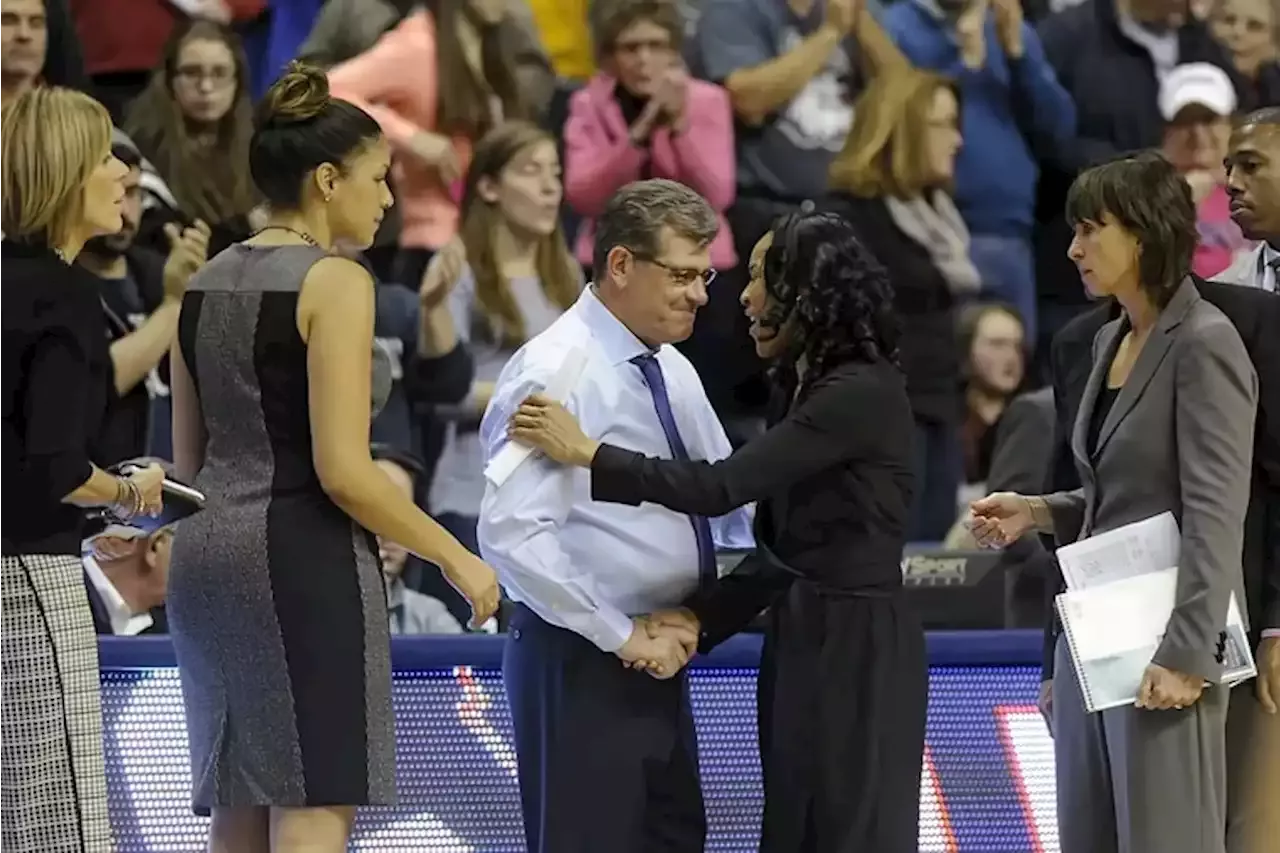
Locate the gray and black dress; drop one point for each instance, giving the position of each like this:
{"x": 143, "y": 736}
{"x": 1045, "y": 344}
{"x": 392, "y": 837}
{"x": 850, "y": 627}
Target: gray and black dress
{"x": 276, "y": 601}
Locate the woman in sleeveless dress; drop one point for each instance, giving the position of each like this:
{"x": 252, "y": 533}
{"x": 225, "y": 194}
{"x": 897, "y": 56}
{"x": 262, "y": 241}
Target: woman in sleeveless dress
{"x": 276, "y": 601}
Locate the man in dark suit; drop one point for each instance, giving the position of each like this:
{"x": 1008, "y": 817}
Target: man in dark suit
{"x": 1256, "y": 315}
{"x": 1020, "y": 460}
{"x": 1253, "y": 720}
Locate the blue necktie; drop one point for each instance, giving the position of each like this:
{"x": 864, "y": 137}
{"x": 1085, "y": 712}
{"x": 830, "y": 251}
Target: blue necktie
{"x": 652, "y": 372}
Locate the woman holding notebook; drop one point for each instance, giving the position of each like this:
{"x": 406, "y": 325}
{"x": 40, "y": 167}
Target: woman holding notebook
{"x": 1165, "y": 424}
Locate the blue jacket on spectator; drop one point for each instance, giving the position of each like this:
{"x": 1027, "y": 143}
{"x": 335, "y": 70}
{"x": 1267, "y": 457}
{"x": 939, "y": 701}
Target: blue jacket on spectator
{"x": 1013, "y": 113}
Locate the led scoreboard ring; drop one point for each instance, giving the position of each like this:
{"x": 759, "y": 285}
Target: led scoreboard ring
{"x": 986, "y": 783}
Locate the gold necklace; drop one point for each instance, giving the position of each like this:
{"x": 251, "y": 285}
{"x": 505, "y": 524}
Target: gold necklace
{"x": 302, "y": 235}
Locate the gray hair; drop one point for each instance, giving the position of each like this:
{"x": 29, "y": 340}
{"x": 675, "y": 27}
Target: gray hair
{"x": 610, "y": 18}
{"x": 636, "y": 214}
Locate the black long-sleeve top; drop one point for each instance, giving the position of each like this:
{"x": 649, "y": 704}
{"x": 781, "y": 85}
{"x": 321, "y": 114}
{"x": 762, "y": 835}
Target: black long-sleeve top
{"x": 832, "y": 479}
{"x": 57, "y": 372}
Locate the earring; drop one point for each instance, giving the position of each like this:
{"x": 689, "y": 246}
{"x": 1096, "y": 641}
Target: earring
{"x": 328, "y": 197}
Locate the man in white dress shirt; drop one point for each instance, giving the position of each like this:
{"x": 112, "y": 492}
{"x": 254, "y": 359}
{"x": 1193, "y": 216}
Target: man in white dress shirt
{"x": 1253, "y": 719}
{"x": 607, "y": 754}
{"x": 126, "y": 573}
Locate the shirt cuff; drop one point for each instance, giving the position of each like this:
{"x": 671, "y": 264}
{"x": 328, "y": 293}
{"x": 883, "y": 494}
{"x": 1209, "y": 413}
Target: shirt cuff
{"x": 610, "y": 630}
{"x": 1270, "y": 633}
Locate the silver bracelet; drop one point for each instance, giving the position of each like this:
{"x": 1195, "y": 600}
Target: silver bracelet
{"x": 128, "y": 499}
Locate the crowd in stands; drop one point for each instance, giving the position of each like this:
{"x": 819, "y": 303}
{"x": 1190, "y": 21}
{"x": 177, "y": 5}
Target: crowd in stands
{"x": 946, "y": 131}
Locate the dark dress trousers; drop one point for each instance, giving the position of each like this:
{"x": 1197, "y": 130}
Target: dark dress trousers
{"x": 843, "y": 687}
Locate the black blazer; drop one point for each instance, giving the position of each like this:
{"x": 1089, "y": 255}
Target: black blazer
{"x": 57, "y": 375}
{"x": 1256, "y": 316}
{"x": 832, "y": 482}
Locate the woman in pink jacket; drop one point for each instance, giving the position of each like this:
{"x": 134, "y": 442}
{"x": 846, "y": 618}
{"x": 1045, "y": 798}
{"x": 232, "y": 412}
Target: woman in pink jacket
{"x": 436, "y": 82}
{"x": 642, "y": 117}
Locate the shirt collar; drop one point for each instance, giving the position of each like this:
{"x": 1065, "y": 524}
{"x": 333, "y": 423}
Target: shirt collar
{"x": 618, "y": 342}
{"x": 395, "y": 593}
{"x": 124, "y": 622}
{"x": 1268, "y": 277}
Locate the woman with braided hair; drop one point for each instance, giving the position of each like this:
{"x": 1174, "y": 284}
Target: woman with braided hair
{"x": 843, "y": 683}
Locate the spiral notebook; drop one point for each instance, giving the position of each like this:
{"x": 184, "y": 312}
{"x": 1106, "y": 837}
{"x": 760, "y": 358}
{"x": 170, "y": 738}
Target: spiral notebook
{"x": 1114, "y": 629}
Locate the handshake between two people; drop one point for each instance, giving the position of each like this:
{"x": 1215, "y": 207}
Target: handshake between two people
{"x": 662, "y": 642}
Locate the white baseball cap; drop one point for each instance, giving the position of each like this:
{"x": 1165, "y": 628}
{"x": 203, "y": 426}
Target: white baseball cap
{"x": 1197, "y": 83}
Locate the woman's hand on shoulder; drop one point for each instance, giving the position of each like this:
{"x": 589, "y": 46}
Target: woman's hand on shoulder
{"x": 545, "y": 425}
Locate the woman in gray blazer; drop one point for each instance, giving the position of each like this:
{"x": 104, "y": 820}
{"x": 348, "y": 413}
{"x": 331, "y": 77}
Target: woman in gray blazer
{"x": 1166, "y": 424}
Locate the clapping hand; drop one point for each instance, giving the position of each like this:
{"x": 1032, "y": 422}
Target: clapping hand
{"x": 1009, "y": 19}
{"x": 970, "y": 32}
{"x": 672, "y": 93}
{"x": 436, "y": 152}
{"x": 441, "y": 274}
{"x": 188, "y": 250}
{"x": 1162, "y": 689}
{"x": 842, "y": 15}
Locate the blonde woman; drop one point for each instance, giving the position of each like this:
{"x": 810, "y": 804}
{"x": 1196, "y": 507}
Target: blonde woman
{"x": 61, "y": 187}
{"x": 892, "y": 181}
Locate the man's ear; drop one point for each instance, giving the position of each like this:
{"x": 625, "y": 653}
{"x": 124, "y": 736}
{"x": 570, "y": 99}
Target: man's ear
{"x": 620, "y": 263}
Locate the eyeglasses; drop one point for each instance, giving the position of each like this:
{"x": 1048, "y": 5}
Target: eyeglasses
{"x": 218, "y": 77}
{"x": 683, "y": 276}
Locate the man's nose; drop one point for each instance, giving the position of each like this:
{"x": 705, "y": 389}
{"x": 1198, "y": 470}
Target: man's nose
{"x": 1233, "y": 182}
{"x": 1075, "y": 251}
{"x": 698, "y": 292}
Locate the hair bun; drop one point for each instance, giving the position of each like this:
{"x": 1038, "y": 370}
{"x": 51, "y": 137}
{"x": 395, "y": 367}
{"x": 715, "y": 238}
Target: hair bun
{"x": 301, "y": 93}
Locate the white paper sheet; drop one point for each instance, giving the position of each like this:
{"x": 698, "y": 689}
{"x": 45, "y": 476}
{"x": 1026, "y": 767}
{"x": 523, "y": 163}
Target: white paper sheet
{"x": 561, "y": 385}
{"x": 1115, "y": 629}
{"x": 1151, "y": 545}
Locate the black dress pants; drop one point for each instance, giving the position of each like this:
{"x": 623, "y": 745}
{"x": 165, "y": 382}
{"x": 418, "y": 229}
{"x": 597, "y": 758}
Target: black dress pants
{"x": 607, "y": 756}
